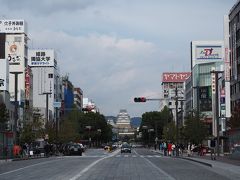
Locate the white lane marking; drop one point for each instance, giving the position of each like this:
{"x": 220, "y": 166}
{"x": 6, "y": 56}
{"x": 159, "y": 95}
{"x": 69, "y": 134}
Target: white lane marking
{"x": 93, "y": 164}
{"x": 134, "y": 156}
{"x": 157, "y": 168}
{"x": 149, "y": 156}
{"x": 157, "y": 156}
{"x": 45, "y": 162}
{"x": 125, "y": 155}
{"x": 118, "y": 155}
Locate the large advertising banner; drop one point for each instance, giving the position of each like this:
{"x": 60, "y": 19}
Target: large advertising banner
{"x": 41, "y": 57}
{"x": 175, "y": 77}
{"x": 206, "y": 51}
{"x": 15, "y": 51}
{"x": 205, "y": 98}
{"x": 4, "y": 75}
{"x": 13, "y": 26}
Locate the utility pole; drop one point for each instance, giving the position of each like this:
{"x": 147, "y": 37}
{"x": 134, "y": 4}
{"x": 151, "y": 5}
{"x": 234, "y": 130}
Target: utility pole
{"x": 16, "y": 105}
{"x": 47, "y": 94}
{"x": 177, "y": 123}
{"x": 216, "y": 107}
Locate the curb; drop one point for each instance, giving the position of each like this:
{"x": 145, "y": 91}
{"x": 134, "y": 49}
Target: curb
{"x": 195, "y": 160}
{"x": 190, "y": 159}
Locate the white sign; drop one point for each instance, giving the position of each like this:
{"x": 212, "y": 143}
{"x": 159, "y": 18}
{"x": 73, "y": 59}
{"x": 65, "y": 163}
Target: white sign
{"x": 13, "y": 26}
{"x": 4, "y": 72}
{"x": 208, "y": 52}
{"x": 41, "y": 58}
{"x": 57, "y": 104}
{"x": 15, "y": 50}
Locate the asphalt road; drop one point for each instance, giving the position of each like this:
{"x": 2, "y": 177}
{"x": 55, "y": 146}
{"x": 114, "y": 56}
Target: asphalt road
{"x": 96, "y": 164}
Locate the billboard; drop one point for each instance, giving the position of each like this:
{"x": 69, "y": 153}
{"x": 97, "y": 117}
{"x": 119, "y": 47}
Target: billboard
{"x": 205, "y": 98}
{"x": 13, "y": 26}
{"x": 175, "y": 77}
{"x": 41, "y": 57}
{"x": 206, "y": 51}
{"x": 14, "y": 49}
{"x": 4, "y": 75}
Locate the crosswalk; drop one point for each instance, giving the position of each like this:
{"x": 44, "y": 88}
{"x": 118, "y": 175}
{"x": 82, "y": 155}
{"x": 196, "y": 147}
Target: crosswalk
{"x": 136, "y": 156}
{"x": 117, "y": 156}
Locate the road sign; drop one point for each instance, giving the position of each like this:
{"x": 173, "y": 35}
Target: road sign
{"x": 57, "y": 104}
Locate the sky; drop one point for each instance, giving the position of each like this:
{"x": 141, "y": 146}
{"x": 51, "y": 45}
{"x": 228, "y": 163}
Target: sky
{"x": 115, "y": 50}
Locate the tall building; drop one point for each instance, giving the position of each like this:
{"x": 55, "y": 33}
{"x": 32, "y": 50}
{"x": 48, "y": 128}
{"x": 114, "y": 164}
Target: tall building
{"x": 206, "y": 57}
{"x": 68, "y": 91}
{"x": 78, "y": 98}
{"x": 234, "y": 38}
{"x": 14, "y": 48}
{"x": 123, "y": 124}
{"x": 172, "y": 85}
{"x": 47, "y": 82}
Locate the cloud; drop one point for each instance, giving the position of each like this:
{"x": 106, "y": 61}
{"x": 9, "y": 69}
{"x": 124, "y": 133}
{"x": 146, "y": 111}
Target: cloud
{"x": 46, "y": 7}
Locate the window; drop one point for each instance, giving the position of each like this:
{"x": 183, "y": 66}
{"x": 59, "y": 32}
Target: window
{"x": 50, "y": 75}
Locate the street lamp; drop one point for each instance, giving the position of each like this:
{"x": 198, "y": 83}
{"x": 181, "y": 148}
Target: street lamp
{"x": 149, "y": 132}
{"x": 99, "y": 131}
{"x": 16, "y": 105}
{"x": 215, "y": 76}
{"x": 89, "y": 138}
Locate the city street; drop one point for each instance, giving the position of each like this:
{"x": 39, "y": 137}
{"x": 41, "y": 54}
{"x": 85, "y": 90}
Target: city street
{"x": 99, "y": 164}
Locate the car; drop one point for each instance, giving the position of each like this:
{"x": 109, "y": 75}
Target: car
{"x": 73, "y": 149}
{"x": 235, "y": 153}
{"x": 126, "y": 148}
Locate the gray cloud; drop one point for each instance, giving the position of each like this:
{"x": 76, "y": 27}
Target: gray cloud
{"x": 46, "y": 7}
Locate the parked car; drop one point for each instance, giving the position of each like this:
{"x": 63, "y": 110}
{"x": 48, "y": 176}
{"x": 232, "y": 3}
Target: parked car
{"x": 126, "y": 148}
{"x": 235, "y": 153}
{"x": 204, "y": 149}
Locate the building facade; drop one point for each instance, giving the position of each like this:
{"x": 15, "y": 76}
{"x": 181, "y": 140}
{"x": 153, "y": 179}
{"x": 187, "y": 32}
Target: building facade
{"x": 78, "y": 98}
{"x": 123, "y": 124}
{"x": 47, "y": 82}
{"x": 172, "y": 86}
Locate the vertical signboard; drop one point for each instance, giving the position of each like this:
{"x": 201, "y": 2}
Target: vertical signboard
{"x": 227, "y": 68}
{"x": 4, "y": 75}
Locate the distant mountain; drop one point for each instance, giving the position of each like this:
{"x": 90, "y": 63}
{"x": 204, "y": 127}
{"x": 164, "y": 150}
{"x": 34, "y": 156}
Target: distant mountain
{"x": 136, "y": 121}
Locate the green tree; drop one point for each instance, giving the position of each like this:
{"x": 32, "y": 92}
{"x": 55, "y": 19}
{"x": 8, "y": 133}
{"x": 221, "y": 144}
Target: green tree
{"x": 169, "y": 132}
{"x": 33, "y": 129}
{"x": 4, "y": 116}
{"x": 195, "y": 130}
{"x": 155, "y": 120}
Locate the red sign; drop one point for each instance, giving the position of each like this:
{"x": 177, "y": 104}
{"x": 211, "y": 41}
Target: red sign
{"x": 175, "y": 77}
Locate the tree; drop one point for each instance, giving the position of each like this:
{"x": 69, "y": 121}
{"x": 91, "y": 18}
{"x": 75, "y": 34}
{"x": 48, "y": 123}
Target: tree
{"x": 169, "y": 132}
{"x": 234, "y": 121}
{"x": 155, "y": 120}
{"x": 195, "y": 130}
{"x": 34, "y": 129}
{"x": 4, "y": 116}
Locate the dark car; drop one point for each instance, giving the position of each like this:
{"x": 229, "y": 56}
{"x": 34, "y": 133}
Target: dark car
{"x": 126, "y": 148}
{"x": 236, "y": 153}
{"x": 73, "y": 149}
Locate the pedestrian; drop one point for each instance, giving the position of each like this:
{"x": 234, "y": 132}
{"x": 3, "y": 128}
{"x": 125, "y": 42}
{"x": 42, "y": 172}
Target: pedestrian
{"x": 165, "y": 148}
{"x": 169, "y": 149}
{"x": 173, "y": 149}
{"x": 189, "y": 150}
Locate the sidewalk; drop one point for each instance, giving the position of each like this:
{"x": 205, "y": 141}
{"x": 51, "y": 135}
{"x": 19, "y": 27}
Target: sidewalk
{"x": 223, "y": 164}
{"x": 221, "y": 161}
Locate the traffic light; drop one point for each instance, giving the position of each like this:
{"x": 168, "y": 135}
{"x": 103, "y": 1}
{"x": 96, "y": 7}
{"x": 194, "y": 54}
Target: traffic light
{"x": 140, "y": 99}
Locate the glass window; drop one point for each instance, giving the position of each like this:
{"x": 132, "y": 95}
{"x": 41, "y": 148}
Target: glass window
{"x": 50, "y": 75}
